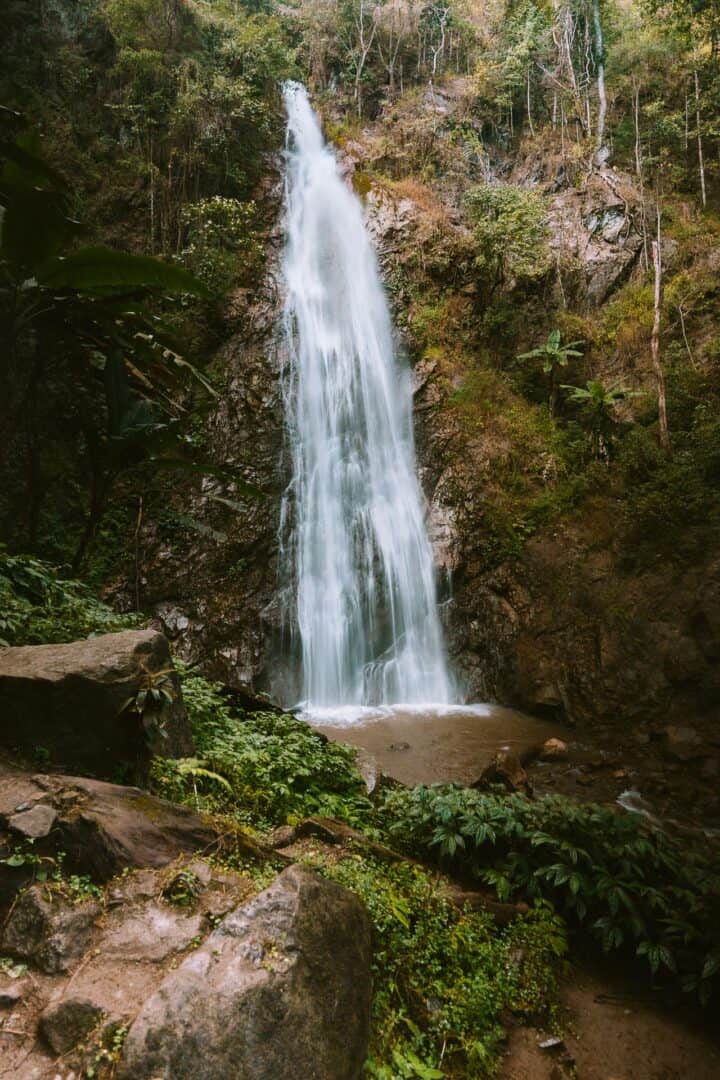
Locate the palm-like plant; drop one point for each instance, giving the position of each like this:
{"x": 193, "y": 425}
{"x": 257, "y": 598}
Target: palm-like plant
{"x": 597, "y": 403}
{"x": 554, "y": 355}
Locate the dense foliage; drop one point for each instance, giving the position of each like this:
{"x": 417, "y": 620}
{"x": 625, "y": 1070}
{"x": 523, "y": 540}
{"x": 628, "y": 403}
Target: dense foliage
{"x": 145, "y": 126}
{"x": 38, "y": 607}
{"x": 263, "y": 768}
{"x": 624, "y": 881}
{"x": 441, "y": 977}
{"x": 615, "y": 876}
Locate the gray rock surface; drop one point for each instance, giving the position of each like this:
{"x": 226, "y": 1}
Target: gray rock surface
{"x": 49, "y": 930}
{"x": 139, "y": 936}
{"x": 281, "y": 989}
{"x": 103, "y": 827}
{"x": 34, "y": 823}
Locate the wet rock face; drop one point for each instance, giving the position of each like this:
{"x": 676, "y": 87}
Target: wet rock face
{"x": 281, "y": 989}
{"x": 75, "y": 701}
{"x": 213, "y": 589}
{"x": 564, "y": 632}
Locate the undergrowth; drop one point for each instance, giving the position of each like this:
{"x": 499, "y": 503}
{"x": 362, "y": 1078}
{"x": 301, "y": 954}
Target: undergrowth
{"x": 261, "y": 768}
{"x": 37, "y": 607}
{"x": 626, "y": 883}
{"x": 441, "y": 978}
{"x": 617, "y": 878}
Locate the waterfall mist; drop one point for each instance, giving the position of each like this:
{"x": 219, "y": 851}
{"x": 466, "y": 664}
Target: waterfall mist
{"x": 355, "y": 557}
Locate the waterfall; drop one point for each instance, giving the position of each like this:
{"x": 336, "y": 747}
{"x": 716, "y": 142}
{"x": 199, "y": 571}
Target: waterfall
{"x": 354, "y": 548}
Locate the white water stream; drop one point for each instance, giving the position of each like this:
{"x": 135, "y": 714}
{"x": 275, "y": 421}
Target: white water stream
{"x": 354, "y": 547}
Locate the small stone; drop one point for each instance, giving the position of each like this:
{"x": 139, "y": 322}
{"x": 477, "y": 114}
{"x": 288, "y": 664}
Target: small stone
{"x": 620, "y": 774}
{"x": 552, "y": 1045}
{"x": 554, "y": 750}
{"x": 33, "y": 824}
{"x": 64, "y": 1025}
{"x": 10, "y": 997}
{"x": 682, "y": 743}
{"x": 505, "y": 770}
{"x": 710, "y": 768}
{"x": 400, "y": 746}
{"x": 283, "y": 836}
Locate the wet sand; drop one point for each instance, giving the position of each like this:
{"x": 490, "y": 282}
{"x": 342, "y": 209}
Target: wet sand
{"x": 426, "y": 744}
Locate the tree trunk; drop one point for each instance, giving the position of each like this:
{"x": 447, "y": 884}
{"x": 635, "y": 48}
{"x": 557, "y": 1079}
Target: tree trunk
{"x": 655, "y": 343}
{"x": 365, "y": 46}
{"x": 636, "y": 115}
{"x": 602, "y": 97}
{"x": 701, "y": 161}
{"x": 529, "y": 104}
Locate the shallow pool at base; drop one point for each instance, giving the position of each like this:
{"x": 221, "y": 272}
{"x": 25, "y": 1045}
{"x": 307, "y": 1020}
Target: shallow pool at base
{"x": 425, "y": 744}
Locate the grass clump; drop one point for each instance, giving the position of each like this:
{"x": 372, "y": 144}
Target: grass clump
{"x": 262, "y": 768}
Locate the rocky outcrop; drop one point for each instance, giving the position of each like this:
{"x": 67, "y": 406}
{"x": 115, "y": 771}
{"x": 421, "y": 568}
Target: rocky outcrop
{"x": 281, "y": 989}
{"x": 102, "y": 828}
{"x": 93, "y": 962}
{"x": 594, "y": 230}
{"x": 566, "y": 632}
{"x": 207, "y": 978}
{"x": 89, "y": 706}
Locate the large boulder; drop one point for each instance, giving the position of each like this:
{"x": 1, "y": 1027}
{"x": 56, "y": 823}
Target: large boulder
{"x": 101, "y": 827}
{"x": 76, "y": 702}
{"x": 280, "y": 990}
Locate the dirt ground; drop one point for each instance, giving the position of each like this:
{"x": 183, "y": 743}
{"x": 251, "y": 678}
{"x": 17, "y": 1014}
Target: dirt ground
{"x": 613, "y": 1032}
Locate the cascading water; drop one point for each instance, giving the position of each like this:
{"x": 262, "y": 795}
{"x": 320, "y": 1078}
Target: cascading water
{"x": 355, "y": 549}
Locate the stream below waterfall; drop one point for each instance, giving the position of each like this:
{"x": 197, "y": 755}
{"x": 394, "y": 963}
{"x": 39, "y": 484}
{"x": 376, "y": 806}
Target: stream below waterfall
{"x": 418, "y": 745}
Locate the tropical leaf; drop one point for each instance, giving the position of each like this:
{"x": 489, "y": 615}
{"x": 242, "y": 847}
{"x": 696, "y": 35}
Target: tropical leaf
{"x": 100, "y": 269}
{"x": 34, "y": 227}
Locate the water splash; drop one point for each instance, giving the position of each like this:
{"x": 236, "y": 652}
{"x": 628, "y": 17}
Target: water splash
{"x": 355, "y": 549}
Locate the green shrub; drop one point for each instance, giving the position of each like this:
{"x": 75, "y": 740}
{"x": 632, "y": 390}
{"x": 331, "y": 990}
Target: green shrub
{"x": 441, "y": 978}
{"x": 261, "y": 768}
{"x": 222, "y": 244}
{"x": 38, "y": 607}
{"x": 510, "y": 235}
{"x": 623, "y": 881}
{"x": 672, "y": 504}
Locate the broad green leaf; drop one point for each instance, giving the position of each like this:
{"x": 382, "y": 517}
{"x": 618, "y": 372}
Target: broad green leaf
{"x": 92, "y": 269}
